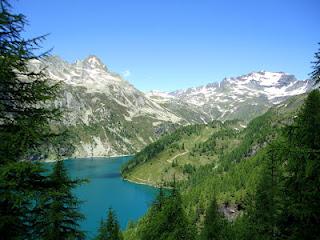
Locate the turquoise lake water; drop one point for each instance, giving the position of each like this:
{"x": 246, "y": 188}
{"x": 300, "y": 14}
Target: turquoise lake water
{"x": 107, "y": 189}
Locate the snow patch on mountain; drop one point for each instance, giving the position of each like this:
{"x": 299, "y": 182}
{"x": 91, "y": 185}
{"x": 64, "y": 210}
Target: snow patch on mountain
{"x": 269, "y": 84}
{"x": 110, "y": 116}
{"x": 261, "y": 89}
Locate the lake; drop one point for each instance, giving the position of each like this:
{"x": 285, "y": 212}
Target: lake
{"x": 107, "y": 189}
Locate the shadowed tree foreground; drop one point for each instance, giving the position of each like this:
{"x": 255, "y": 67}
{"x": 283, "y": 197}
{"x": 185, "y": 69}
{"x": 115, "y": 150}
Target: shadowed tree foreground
{"x": 28, "y": 196}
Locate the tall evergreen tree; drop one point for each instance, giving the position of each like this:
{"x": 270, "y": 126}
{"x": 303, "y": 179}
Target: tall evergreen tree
{"x": 25, "y": 113}
{"x": 20, "y": 187}
{"x": 109, "y": 229}
{"x": 215, "y": 225}
{"x": 315, "y": 75}
{"x": 301, "y": 217}
{"x": 58, "y": 213}
{"x": 168, "y": 222}
{"x": 264, "y": 209}
{"x": 25, "y": 95}
{"x": 177, "y": 225}
{"x": 159, "y": 202}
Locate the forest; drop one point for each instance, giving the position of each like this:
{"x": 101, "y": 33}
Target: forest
{"x": 261, "y": 195}
{"x": 265, "y": 185}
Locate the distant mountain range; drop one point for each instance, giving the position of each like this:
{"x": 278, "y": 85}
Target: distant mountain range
{"x": 242, "y": 97}
{"x": 109, "y": 116}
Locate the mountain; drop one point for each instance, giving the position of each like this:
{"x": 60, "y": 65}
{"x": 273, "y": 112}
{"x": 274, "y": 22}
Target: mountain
{"x": 243, "y": 97}
{"x": 178, "y": 154}
{"x": 105, "y": 113}
{"x": 109, "y": 116}
{"x": 218, "y": 161}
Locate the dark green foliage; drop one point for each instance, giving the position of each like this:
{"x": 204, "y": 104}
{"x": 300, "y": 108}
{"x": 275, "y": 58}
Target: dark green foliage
{"x": 188, "y": 169}
{"x": 258, "y": 132}
{"x": 155, "y": 148}
{"x": 58, "y": 213}
{"x": 315, "y": 75}
{"x": 216, "y": 227}
{"x": 265, "y": 205}
{"x": 236, "y": 172}
{"x": 25, "y": 95}
{"x": 26, "y": 114}
{"x": 211, "y": 147}
{"x": 21, "y": 184}
{"x": 174, "y": 163}
{"x": 109, "y": 229}
{"x": 286, "y": 202}
{"x": 305, "y": 132}
{"x": 301, "y": 216}
{"x": 166, "y": 220}
{"x": 271, "y": 179}
{"x": 232, "y": 178}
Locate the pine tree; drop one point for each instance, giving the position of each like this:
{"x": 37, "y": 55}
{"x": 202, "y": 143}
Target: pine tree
{"x": 301, "y": 217}
{"x": 58, "y": 213}
{"x": 20, "y": 187}
{"x": 109, "y": 229}
{"x": 177, "y": 225}
{"x": 168, "y": 222}
{"x": 25, "y": 95}
{"x": 315, "y": 74}
{"x": 160, "y": 200}
{"x": 264, "y": 209}
{"x": 152, "y": 227}
{"x": 25, "y": 113}
{"x": 215, "y": 226}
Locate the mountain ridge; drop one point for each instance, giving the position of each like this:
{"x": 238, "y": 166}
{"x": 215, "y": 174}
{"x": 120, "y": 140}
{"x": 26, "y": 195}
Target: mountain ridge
{"x": 225, "y": 100}
{"x": 109, "y": 116}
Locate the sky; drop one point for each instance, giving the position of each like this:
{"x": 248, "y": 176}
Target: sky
{"x": 172, "y": 44}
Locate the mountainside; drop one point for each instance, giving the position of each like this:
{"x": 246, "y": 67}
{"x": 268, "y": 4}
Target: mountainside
{"x": 179, "y": 154}
{"x": 243, "y": 97}
{"x": 235, "y": 160}
{"x": 106, "y": 114}
{"x": 109, "y": 116}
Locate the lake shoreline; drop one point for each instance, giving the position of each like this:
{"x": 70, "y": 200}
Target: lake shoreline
{"x": 141, "y": 183}
{"x": 106, "y": 189}
{"x": 111, "y": 157}
{"x": 85, "y": 157}
{"x": 145, "y": 183}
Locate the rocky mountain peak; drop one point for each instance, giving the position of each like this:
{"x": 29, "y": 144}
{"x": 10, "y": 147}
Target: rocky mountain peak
{"x": 93, "y": 62}
{"x": 122, "y": 119}
{"x": 263, "y": 78}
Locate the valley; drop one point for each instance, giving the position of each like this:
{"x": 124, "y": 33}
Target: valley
{"x": 210, "y": 142}
{"x": 181, "y": 153}
{"x": 108, "y": 116}
{"x": 152, "y": 120}
{"x": 225, "y": 162}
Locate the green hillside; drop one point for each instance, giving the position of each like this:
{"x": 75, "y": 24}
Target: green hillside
{"x": 227, "y": 162}
{"x": 179, "y": 154}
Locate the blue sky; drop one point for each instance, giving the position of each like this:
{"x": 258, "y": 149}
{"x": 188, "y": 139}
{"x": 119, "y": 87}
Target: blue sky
{"x": 173, "y": 44}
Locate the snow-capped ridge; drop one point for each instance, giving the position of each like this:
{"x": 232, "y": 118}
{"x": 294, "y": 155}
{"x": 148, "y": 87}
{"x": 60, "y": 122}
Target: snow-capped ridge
{"x": 111, "y": 116}
{"x": 231, "y": 96}
{"x": 216, "y": 100}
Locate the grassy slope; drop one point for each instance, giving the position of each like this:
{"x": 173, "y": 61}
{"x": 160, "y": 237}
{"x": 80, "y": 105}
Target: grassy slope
{"x": 181, "y": 153}
{"x": 202, "y": 144}
{"x": 236, "y": 172}
{"x": 239, "y": 170}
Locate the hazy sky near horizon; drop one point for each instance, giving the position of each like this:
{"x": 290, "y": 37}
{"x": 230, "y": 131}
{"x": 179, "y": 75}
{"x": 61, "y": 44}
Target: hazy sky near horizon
{"x": 172, "y": 44}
